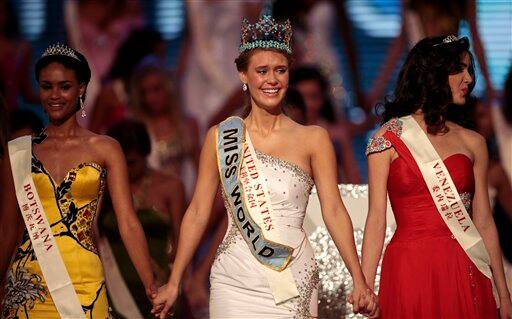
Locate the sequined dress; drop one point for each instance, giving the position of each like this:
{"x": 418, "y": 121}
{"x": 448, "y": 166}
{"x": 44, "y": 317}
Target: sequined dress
{"x": 239, "y": 287}
{"x": 70, "y": 206}
{"x": 425, "y": 272}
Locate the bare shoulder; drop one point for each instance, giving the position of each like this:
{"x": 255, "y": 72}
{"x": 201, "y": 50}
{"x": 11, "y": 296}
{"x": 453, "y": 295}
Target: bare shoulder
{"x": 472, "y": 139}
{"x": 314, "y": 137}
{"x": 104, "y": 146}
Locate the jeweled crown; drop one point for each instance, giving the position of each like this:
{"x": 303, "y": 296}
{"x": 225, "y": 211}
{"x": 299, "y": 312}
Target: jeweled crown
{"x": 266, "y": 33}
{"x": 60, "y": 49}
{"x": 448, "y": 39}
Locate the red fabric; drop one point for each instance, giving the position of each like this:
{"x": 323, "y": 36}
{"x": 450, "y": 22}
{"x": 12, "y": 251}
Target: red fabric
{"x": 425, "y": 273}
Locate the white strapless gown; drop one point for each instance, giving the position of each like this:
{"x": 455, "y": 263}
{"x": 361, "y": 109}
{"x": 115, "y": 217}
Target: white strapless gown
{"x": 239, "y": 287}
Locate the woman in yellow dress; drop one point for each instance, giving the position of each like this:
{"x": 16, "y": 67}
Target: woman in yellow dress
{"x": 71, "y": 168}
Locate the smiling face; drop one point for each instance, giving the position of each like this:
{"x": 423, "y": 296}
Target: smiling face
{"x": 459, "y": 82}
{"x": 59, "y": 92}
{"x": 267, "y": 78}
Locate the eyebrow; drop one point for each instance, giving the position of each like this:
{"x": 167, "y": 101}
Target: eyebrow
{"x": 266, "y": 66}
{"x": 61, "y": 82}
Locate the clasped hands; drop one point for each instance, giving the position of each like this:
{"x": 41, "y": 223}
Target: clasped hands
{"x": 364, "y": 301}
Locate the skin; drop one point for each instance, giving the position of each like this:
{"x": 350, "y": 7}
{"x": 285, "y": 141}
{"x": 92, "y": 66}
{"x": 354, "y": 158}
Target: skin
{"x": 274, "y": 133}
{"x": 59, "y": 92}
{"x": 456, "y": 140}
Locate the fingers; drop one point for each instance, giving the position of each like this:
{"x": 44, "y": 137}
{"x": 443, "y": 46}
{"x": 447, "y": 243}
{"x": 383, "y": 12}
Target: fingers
{"x": 153, "y": 289}
{"x": 350, "y": 299}
{"x": 163, "y": 313}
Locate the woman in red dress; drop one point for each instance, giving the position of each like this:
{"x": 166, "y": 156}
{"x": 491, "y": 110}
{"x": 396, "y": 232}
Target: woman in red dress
{"x": 426, "y": 273}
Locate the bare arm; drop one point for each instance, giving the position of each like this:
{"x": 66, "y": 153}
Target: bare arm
{"x": 194, "y": 223}
{"x": 176, "y": 208}
{"x": 375, "y": 227}
{"x": 482, "y": 217}
{"x": 129, "y": 225}
{"x": 334, "y": 213}
{"x": 11, "y": 224}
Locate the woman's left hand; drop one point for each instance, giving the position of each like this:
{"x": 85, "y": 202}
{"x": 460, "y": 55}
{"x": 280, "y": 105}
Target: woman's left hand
{"x": 506, "y": 308}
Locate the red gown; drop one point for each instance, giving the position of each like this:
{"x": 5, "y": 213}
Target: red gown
{"x": 425, "y": 272}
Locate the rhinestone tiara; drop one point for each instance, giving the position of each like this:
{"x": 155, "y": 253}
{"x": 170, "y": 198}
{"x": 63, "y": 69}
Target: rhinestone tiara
{"x": 266, "y": 33}
{"x": 448, "y": 39}
{"x": 60, "y": 49}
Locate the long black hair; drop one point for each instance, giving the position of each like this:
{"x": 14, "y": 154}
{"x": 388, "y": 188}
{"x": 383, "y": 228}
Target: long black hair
{"x": 423, "y": 81}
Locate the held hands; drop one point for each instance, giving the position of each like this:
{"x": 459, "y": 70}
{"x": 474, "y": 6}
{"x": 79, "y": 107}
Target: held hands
{"x": 364, "y": 301}
{"x": 164, "y": 300}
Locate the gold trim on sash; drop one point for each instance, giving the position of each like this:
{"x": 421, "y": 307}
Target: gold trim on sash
{"x": 254, "y": 194}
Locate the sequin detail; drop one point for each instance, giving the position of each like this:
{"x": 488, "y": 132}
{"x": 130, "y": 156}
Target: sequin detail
{"x": 298, "y": 172}
{"x": 394, "y": 125}
{"x": 231, "y": 237}
{"x": 377, "y": 144}
{"x": 466, "y": 200}
{"x": 335, "y": 280}
{"x": 306, "y": 290}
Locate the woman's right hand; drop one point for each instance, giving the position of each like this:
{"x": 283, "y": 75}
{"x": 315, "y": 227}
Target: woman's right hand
{"x": 164, "y": 300}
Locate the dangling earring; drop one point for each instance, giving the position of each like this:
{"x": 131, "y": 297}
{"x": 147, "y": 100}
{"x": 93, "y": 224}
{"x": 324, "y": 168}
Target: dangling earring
{"x": 244, "y": 87}
{"x": 82, "y": 107}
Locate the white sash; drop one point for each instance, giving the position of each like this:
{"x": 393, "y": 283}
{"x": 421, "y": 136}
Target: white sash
{"x": 446, "y": 197}
{"x": 257, "y": 197}
{"x": 119, "y": 294}
{"x": 47, "y": 252}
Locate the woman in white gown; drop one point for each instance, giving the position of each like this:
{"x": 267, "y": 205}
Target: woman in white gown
{"x": 267, "y": 165}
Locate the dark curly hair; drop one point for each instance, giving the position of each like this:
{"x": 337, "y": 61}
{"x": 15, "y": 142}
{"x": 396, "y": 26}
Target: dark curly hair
{"x": 423, "y": 82}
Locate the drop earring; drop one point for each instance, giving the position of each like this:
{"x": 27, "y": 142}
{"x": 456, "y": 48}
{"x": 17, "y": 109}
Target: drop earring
{"x": 244, "y": 87}
{"x": 82, "y": 107}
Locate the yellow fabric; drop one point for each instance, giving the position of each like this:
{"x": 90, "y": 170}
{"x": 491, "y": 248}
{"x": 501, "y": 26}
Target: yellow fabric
{"x": 70, "y": 206}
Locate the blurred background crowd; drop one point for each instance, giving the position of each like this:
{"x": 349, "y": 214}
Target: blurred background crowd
{"x": 163, "y": 72}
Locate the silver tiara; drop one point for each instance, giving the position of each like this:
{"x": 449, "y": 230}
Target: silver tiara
{"x": 448, "y": 39}
{"x": 60, "y": 49}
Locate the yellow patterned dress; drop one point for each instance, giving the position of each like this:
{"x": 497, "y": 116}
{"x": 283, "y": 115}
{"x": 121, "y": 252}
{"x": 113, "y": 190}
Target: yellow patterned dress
{"x": 70, "y": 206}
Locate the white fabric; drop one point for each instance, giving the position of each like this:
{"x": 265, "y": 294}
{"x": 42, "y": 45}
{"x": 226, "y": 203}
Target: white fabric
{"x": 47, "y": 252}
{"x": 281, "y": 283}
{"x": 239, "y": 288}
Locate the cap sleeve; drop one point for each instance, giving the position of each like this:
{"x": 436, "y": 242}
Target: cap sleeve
{"x": 377, "y": 144}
